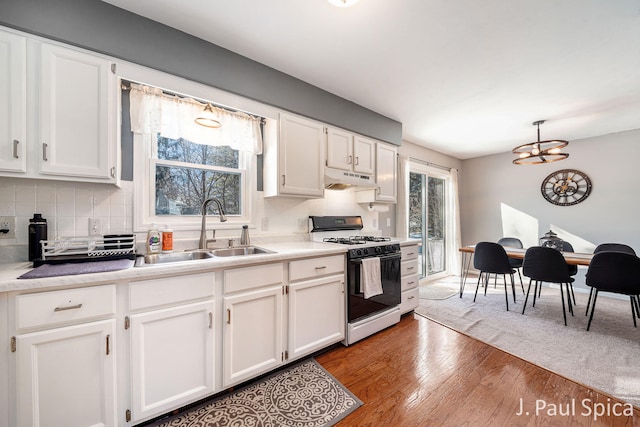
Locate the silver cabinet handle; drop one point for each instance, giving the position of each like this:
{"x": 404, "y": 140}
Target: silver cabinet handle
{"x": 210, "y": 320}
{"x": 357, "y": 160}
{"x": 411, "y": 297}
{"x": 15, "y": 149}
{"x": 69, "y": 307}
{"x": 321, "y": 267}
{"x": 350, "y": 159}
{"x": 44, "y": 152}
{"x": 228, "y": 316}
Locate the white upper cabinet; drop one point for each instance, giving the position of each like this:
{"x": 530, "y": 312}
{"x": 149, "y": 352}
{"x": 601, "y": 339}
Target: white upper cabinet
{"x": 339, "y": 149}
{"x": 294, "y": 165}
{"x": 386, "y": 172}
{"x": 364, "y": 151}
{"x": 58, "y": 112}
{"x": 13, "y": 102}
{"x": 76, "y": 97}
{"x": 350, "y": 152}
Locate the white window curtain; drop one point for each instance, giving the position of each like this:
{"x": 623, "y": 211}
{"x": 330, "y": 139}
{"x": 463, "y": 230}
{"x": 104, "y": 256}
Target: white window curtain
{"x": 455, "y": 242}
{"x": 153, "y": 111}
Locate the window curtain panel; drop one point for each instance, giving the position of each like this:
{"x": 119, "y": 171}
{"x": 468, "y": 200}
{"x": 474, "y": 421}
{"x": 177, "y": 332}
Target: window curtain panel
{"x": 455, "y": 242}
{"x": 154, "y": 111}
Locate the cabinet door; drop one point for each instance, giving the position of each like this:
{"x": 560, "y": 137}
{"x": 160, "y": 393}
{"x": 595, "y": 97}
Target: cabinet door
{"x": 386, "y": 169}
{"x": 77, "y": 127}
{"x": 172, "y": 358}
{"x": 339, "y": 149}
{"x": 364, "y": 155}
{"x": 13, "y": 96}
{"x": 316, "y": 314}
{"x": 66, "y": 376}
{"x": 252, "y": 334}
{"x": 301, "y": 157}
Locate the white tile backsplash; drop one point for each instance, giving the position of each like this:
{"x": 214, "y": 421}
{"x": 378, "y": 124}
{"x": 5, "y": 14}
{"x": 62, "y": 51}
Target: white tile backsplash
{"x": 67, "y": 207}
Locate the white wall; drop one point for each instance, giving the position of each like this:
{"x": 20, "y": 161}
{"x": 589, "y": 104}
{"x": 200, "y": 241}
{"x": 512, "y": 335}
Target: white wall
{"x": 499, "y": 198}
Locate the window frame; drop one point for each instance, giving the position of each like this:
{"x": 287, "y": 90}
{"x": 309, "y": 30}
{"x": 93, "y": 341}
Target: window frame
{"x": 145, "y": 160}
{"x": 143, "y": 175}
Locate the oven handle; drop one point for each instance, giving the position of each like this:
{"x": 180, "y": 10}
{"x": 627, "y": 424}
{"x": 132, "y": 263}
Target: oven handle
{"x": 382, "y": 258}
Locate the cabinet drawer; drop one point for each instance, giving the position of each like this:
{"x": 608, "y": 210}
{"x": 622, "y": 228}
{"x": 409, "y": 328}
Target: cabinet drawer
{"x": 410, "y": 300}
{"x": 314, "y": 267}
{"x": 410, "y": 282}
{"x": 66, "y": 306}
{"x": 408, "y": 267}
{"x": 170, "y": 290}
{"x": 409, "y": 252}
{"x": 240, "y": 279}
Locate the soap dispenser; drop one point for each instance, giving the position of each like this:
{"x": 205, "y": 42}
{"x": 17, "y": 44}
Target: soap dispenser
{"x": 244, "y": 237}
{"x": 153, "y": 240}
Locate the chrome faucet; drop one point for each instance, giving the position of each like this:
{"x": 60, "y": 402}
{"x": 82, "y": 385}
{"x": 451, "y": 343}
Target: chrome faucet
{"x": 203, "y": 229}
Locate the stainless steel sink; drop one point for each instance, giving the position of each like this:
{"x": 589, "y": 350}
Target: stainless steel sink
{"x": 240, "y": 251}
{"x": 154, "y": 259}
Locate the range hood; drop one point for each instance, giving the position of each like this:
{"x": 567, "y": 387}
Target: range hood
{"x": 335, "y": 179}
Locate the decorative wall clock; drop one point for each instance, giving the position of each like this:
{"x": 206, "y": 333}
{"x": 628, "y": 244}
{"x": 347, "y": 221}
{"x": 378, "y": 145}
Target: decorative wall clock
{"x": 566, "y": 187}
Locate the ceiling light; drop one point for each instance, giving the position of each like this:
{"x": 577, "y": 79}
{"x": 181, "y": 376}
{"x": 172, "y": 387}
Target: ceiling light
{"x": 343, "y": 3}
{"x": 539, "y": 152}
{"x": 208, "y": 118}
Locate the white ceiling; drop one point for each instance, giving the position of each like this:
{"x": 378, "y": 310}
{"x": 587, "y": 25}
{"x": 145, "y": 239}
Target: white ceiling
{"x": 465, "y": 77}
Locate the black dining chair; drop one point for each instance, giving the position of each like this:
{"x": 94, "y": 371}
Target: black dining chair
{"x": 491, "y": 258}
{"x": 543, "y": 264}
{"x": 616, "y": 272}
{"x": 573, "y": 269}
{"x": 610, "y": 247}
{"x": 516, "y": 264}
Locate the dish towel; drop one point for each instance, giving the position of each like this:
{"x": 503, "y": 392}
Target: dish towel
{"x": 370, "y": 280}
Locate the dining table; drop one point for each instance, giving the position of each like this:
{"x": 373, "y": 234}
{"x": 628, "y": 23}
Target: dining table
{"x": 572, "y": 258}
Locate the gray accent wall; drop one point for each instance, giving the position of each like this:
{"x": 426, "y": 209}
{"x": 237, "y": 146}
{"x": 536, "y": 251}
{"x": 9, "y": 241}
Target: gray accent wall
{"x": 101, "y": 27}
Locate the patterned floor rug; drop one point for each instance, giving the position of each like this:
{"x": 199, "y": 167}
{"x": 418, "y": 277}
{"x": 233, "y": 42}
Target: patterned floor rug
{"x": 303, "y": 395}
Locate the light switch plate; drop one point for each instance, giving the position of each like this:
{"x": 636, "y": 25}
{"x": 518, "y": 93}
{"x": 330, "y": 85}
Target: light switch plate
{"x": 8, "y": 223}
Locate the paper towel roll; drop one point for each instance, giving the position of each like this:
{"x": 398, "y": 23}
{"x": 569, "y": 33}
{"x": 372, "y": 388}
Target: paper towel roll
{"x": 377, "y": 208}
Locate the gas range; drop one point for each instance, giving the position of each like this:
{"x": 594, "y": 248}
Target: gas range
{"x": 371, "y": 313}
{"x": 345, "y": 230}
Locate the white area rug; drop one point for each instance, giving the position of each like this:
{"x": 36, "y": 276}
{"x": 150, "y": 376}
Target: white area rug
{"x": 606, "y": 358}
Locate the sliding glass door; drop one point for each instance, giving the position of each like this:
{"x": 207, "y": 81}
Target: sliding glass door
{"x": 428, "y": 217}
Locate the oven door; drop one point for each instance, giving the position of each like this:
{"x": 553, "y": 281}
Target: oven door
{"x": 357, "y": 306}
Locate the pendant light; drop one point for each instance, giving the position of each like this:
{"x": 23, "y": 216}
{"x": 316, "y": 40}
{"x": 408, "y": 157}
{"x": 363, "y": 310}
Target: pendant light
{"x": 207, "y": 118}
{"x": 539, "y": 152}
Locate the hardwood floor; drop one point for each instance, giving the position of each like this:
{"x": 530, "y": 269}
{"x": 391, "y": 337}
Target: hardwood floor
{"x": 420, "y": 373}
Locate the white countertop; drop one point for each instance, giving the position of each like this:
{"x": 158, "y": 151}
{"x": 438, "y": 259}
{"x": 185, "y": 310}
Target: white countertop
{"x": 9, "y": 273}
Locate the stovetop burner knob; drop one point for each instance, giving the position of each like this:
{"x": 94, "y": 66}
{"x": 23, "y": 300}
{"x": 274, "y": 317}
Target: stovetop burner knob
{"x": 379, "y": 249}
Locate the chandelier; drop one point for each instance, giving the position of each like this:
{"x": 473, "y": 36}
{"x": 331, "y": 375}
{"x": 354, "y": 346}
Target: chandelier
{"x": 539, "y": 152}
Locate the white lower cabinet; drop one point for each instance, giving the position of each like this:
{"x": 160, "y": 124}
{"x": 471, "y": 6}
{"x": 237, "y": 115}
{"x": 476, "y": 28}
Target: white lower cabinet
{"x": 172, "y": 358}
{"x": 66, "y": 376}
{"x": 252, "y": 340}
{"x": 252, "y": 322}
{"x": 269, "y": 321}
{"x": 316, "y": 314}
{"x": 171, "y": 343}
{"x": 64, "y": 356}
{"x": 410, "y": 277}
